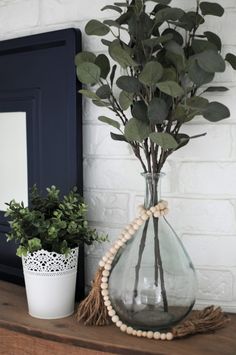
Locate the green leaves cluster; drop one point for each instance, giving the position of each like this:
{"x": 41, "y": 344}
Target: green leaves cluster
{"x": 50, "y": 223}
{"x": 164, "y": 64}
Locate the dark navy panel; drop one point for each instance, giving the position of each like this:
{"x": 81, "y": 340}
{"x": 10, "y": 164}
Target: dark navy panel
{"x": 37, "y": 75}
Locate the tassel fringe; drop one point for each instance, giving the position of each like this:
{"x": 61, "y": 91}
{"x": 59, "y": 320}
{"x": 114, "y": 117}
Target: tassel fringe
{"x": 92, "y": 310}
{"x": 207, "y": 320}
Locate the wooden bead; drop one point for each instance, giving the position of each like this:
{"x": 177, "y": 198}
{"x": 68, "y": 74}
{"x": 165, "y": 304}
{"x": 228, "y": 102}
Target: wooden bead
{"x": 105, "y": 273}
{"x": 109, "y": 308}
{"x": 144, "y": 217}
{"x": 139, "y": 222}
{"x": 107, "y": 303}
{"x": 118, "y": 323}
{"x": 139, "y": 333}
{"x": 120, "y": 243}
{"x": 107, "y": 267}
{"x": 113, "y": 251}
{"x": 104, "y": 292}
{"x": 169, "y": 336}
{"x": 163, "y": 336}
{"x": 150, "y": 335}
{"x": 112, "y": 313}
{"x": 153, "y": 209}
{"x": 115, "y": 319}
{"x": 131, "y": 231}
{"x": 135, "y": 226}
{"x": 157, "y": 335}
{"x": 106, "y": 298}
{"x": 123, "y": 327}
{"x": 144, "y": 334}
{"x": 116, "y": 246}
{"x": 156, "y": 214}
{"x": 134, "y": 332}
{"x": 104, "y": 258}
{"x": 149, "y": 213}
{"x": 101, "y": 263}
{"x": 104, "y": 279}
{"x": 104, "y": 285}
{"x": 128, "y": 237}
{"x": 110, "y": 261}
{"x": 129, "y": 330}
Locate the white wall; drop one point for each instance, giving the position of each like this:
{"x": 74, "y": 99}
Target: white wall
{"x": 201, "y": 183}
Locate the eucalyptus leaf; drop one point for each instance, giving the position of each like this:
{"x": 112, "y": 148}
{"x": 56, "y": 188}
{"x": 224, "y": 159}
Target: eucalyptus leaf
{"x": 211, "y": 8}
{"x": 197, "y": 103}
{"x": 182, "y": 140}
{"x": 153, "y": 42}
{"x": 216, "y": 111}
{"x": 199, "y": 45}
{"x": 111, "y": 23}
{"x": 112, "y": 7}
{"x": 88, "y": 73}
{"x": 189, "y": 20}
{"x": 101, "y": 103}
{"x": 176, "y": 36}
{"x": 103, "y": 63}
{"x": 109, "y": 121}
{"x": 89, "y": 94}
{"x": 128, "y": 83}
{"x": 120, "y": 55}
{"x": 170, "y": 88}
{"x": 169, "y": 13}
{"x": 84, "y": 57}
{"x": 162, "y": 2}
{"x": 96, "y": 28}
{"x": 139, "y": 111}
{"x": 136, "y": 130}
{"x": 113, "y": 72}
{"x": 169, "y": 74}
{"x": 175, "y": 53}
{"x": 157, "y": 111}
{"x": 213, "y": 38}
{"x": 197, "y": 74}
{"x": 118, "y": 137}
{"x": 105, "y": 42}
{"x": 216, "y": 89}
{"x": 211, "y": 61}
{"x": 104, "y": 92}
{"x": 231, "y": 58}
{"x": 125, "y": 99}
{"x": 164, "y": 140}
{"x": 151, "y": 73}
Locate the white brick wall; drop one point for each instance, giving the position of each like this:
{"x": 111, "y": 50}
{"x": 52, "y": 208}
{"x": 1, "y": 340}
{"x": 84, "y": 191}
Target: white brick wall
{"x": 202, "y": 176}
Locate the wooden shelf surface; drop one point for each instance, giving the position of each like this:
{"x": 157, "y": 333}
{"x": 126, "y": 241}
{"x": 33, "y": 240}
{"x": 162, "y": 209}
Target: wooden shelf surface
{"x": 21, "y": 334}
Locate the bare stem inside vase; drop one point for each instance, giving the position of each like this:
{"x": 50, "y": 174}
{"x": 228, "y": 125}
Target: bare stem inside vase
{"x": 151, "y": 200}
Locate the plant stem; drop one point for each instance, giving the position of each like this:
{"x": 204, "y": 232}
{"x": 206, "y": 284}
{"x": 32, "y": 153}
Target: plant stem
{"x": 140, "y": 255}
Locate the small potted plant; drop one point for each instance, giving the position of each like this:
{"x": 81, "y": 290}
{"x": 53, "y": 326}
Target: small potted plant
{"x": 48, "y": 234}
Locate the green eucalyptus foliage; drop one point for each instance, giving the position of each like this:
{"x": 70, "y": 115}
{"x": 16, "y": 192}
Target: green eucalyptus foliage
{"x": 50, "y": 223}
{"x": 164, "y": 63}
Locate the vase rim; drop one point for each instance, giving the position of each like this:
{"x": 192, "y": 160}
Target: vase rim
{"x": 153, "y": 175}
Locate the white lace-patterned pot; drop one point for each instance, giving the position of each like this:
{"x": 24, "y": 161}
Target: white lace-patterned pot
{"x": 50, "y": 280}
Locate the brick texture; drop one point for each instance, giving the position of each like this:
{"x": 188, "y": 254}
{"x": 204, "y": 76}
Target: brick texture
{"x": 201, "y": 181}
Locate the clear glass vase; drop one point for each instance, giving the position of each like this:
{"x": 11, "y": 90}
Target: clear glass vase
{"x": 152, "y": 284}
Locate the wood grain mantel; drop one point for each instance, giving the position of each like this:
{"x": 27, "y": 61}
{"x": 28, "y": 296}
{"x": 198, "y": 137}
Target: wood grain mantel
{"x": 21, "y": 334}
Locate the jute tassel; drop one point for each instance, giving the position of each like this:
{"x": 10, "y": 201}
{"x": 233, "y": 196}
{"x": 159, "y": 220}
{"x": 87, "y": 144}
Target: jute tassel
{"x": 207, "y": 320}
{"x": 92, "y": 310}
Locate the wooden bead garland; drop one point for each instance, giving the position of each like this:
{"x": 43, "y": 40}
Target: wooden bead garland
{"x": 161, "y": 209}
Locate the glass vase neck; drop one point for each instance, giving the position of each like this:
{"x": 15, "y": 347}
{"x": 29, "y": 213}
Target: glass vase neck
{"x": 152, "y": 188}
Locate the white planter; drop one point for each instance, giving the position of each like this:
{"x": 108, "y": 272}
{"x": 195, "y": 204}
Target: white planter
{"x": 50, "y": 280}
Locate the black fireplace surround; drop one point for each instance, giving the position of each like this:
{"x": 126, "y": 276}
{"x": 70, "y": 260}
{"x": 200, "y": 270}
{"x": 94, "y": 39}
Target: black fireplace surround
{"x": 37, "y": 76}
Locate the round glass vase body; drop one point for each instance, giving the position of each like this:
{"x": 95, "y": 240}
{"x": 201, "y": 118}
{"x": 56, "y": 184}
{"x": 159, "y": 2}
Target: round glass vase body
{"x": 152, "y": 284}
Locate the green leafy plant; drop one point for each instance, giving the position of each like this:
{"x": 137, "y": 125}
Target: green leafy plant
{"x": 50, "y": 223}
{"x": 164, "y": 64}
{"x": 167, "y": 65}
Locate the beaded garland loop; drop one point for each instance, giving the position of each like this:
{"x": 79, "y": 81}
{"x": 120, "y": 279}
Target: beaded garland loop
{"x": 161, "y": 209}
